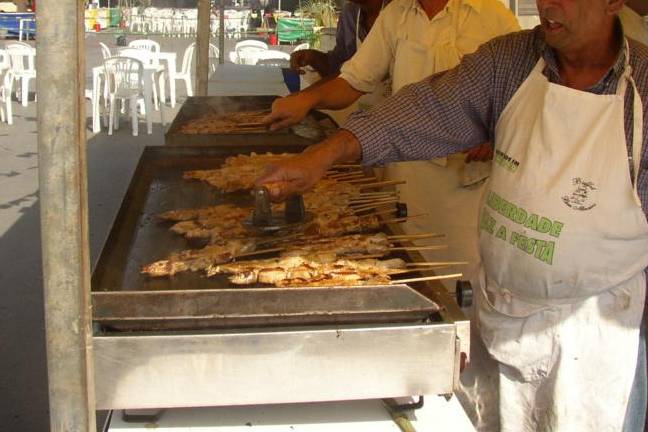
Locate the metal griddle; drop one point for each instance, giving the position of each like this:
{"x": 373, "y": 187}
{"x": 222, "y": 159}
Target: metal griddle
{"x": 190, "y": 340}
{"x": 123, "y": 298}
{"x": 315, "y": 127}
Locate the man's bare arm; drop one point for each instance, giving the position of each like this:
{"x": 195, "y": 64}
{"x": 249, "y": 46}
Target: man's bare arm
{"x": 333, "y": 94}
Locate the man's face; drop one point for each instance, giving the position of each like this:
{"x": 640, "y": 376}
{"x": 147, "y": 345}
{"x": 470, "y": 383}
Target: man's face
{"x": 570, "y": 24}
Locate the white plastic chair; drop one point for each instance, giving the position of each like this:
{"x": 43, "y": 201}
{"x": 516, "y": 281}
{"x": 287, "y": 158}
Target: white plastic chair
{"x": 105, "y": 51}
{"x": 124, "y": 77}
{"x": 22, "y": 64}
{"x": 24, "y": 28}
{"x": 6, "y": 113}
{"x": 273, "y": 58}
{"x": 302, "y": 46}
{"x": 185, "y": 72}
{"x": 252, "y": 43}
{"x": 4, "y": 60}
{"x": 214, "y": 55}
{"x": 149, "y": 59}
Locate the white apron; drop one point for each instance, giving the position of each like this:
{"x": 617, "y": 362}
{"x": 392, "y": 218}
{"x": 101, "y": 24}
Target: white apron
{"x": 564, "y": 244}
{"x": 434, "y": 187}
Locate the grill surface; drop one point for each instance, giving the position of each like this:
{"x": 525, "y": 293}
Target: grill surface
{"x": 125, "y": 299}
{"x": 311, "y": 130}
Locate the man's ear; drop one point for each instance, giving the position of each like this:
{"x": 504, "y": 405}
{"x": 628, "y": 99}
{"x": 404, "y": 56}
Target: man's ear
{"x": 614, "y": 6}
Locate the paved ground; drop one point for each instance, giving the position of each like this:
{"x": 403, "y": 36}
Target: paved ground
{"x": 111, "y": 161}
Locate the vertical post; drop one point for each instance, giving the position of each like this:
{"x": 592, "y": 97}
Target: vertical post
{"x": 221, "y": 33}
{"x": 64, "y": 214}
{"x": 202, "y": 47}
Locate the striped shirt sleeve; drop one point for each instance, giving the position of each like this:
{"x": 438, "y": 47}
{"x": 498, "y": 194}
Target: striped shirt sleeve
{"x": 443, "y": 114}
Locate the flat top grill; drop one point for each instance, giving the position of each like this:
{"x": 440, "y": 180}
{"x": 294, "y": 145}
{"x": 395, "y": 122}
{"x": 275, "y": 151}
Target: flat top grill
{"x": 124, "y": 299}
{"x": 315, "y": 127}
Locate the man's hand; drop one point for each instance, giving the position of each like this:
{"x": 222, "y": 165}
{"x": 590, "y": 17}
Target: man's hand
{"x": 308, "y": 57}
{"x": 298, "y": 174}
{"x": 288, "y": 111}
{"x": 292, "y": 176}
{"x": 481, "y": 153}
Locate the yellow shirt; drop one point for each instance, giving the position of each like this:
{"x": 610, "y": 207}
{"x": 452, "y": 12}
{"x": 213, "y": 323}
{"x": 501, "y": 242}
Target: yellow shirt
{"x": 407, "y": 46}
{"x": 634, "y": 25}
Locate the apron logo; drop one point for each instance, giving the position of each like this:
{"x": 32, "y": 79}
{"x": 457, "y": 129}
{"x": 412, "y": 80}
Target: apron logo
{"x": 506, "y": 161}
{"x": 580, "y": 198}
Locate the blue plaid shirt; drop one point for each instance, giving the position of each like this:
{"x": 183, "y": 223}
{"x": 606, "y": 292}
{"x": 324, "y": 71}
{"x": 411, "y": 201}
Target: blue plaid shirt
{"x": 455, "y": 110}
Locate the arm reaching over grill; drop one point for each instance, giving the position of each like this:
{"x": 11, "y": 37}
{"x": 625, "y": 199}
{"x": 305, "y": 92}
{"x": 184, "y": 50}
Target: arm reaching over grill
{"x": 300, "y": 173}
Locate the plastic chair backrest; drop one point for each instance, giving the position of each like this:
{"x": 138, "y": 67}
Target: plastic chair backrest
{"x": 187, "y": 58}
{"x": 302, "y": 46}
{"x": 213, "y": 51}
{"x": 21, "y": 57}
{"x": 251, "y": 43}
{"x": 4, "y": 59}
{"x": 144, "y": 56}
{"x": 105, "y": 51}
{"x": 124, "y": 75}
{"x": 248, "y": 54}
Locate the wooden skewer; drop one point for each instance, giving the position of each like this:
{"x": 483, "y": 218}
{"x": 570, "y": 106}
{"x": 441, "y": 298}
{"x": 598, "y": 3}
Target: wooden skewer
{"x": 260, "y": 252}
{"x": 251, "y": 124}
{"x": 346, "y": 166}
{"x": 435, "y": 264}
{"x": 418, "y": 248}
{"x": 371, "y": 256}
{"x": 375, "y": 204}
{"x": 360, "y": 180}
{"x": 403, "y": 219}
{"x": 376, "y": 194}
{"x": 382, "y": 184}
{"x": 266, "y": 240}
{"x": 427, "y": 278}
{"x": 413, "y": 270}
{"x": 343, "y": 175}
{"x": 371, "y": 200}
{"x": 414, "y": 236}
{"x": 371, "y": 215}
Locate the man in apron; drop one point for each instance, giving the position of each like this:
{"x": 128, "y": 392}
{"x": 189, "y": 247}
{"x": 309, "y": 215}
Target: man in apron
{"x": 563, "y": 224}
{"x": 410, "y": 40}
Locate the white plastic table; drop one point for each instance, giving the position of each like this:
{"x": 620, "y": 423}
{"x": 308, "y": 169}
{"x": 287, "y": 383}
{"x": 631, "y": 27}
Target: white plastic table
{"x": 350, "y": 416}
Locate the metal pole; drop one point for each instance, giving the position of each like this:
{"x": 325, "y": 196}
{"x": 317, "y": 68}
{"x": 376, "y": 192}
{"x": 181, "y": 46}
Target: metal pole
{"x": 202, "y": 47}
{"x": 221, "y": 33}
{"x": 64, "y": 214}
